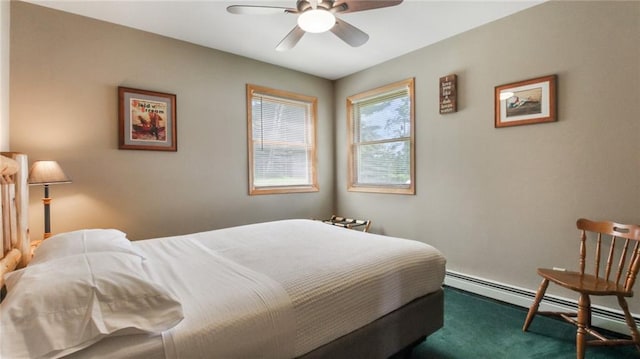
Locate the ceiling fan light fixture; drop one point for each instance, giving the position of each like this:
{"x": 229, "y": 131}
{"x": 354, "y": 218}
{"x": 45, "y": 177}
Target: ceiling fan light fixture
{"x": 316, "y": 20}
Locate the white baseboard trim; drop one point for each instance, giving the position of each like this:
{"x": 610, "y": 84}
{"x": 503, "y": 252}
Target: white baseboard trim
{"x": 603, "y": 317}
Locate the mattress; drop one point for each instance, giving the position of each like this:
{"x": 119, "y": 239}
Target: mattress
{"x": 319, "y": 283}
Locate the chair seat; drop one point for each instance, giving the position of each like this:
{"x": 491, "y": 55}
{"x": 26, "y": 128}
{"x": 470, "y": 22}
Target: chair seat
{"x": 586, "y": 283}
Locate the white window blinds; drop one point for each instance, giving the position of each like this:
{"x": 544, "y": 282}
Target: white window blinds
{"x": 282, "y": 142}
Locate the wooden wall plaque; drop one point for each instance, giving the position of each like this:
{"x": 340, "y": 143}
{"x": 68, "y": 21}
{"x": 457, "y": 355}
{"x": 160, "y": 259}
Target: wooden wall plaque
{"x": 448, "y": 94}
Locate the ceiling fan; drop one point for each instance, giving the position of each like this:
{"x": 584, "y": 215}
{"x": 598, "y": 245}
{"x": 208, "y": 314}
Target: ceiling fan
{"x": 317, "y": 16}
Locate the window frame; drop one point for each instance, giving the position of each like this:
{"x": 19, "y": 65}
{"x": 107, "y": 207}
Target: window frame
{"x": 312, "y": 103}
{"x": 352, "y": 184}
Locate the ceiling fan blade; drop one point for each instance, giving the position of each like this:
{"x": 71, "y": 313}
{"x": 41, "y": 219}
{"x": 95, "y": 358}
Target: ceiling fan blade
{"x": 258, "y": 10}
{"x": 361, "y": 5}
{"x": 349, "y": 33}
{"x": 291, "y": 39}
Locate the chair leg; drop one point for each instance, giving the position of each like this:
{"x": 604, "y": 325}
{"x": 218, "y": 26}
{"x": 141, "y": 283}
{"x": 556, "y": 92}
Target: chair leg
{"x": 536, "y": 303}
{"x": 631, "y": 323}
{"x": 584, "y": 318}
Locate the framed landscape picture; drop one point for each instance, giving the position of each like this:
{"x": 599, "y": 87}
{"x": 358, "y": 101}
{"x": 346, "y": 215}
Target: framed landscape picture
{"x": 146, "y": 120}
{"x": 526, "y": 102}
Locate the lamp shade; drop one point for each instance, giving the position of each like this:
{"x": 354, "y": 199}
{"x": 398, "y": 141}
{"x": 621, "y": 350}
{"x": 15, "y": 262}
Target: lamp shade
{"x": 47, "y": 172}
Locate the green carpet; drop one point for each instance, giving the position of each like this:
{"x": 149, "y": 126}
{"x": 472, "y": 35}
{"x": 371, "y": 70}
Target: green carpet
{"x": 477, "y": 327}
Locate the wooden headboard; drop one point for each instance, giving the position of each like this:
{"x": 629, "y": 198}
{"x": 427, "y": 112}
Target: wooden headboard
{"x": 15, "y": 247}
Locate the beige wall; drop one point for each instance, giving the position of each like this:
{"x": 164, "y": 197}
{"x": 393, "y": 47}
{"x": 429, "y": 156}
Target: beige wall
{"x": 65, "y": 70}
{"x": 501, "y": 202}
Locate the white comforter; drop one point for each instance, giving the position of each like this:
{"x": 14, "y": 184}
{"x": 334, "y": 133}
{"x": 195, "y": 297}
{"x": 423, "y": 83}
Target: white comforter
{"x": 280, "y": 289}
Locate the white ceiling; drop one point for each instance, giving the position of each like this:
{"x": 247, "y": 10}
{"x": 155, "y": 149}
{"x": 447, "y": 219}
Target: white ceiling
{"x": 393, "y": 31}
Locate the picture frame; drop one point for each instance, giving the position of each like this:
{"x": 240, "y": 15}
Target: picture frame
{"x": 146, "y": 120}
{"x": 526, "y": 102}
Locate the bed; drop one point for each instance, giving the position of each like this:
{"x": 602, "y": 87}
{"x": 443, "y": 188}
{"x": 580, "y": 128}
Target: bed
{"x": 283, "y": 289}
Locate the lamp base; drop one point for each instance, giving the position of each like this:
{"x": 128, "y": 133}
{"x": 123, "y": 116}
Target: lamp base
{"x": 47, "y": 212}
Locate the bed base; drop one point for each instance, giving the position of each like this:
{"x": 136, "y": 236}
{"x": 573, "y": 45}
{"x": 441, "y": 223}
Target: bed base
{"x": 397, "y": 331}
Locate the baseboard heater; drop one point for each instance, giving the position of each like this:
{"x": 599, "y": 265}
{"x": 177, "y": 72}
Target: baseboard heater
{"x": 603, "y": 317}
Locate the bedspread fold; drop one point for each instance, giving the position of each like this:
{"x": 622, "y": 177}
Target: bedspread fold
{"x": 231, "y": 311}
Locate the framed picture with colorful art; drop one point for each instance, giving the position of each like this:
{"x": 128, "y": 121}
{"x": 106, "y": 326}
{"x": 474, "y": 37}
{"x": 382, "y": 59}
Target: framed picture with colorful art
{"x": 146, "y": 120}
{"x": 526, "y": 102}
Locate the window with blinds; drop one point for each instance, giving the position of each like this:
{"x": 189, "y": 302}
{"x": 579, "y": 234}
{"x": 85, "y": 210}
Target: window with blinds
{"x": 281, "y": 139}
{"x": 381, "y": 139}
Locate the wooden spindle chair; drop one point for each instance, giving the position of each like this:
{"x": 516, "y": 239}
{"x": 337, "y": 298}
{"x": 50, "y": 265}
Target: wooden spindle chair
{"x": 616, "y": 278}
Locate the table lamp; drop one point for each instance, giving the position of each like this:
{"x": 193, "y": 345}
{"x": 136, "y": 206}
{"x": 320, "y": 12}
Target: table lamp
{"x": 46, "y": 173}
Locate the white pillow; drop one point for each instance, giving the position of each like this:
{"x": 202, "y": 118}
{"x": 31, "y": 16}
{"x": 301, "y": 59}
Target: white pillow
{"x": 66, "y": 304}
{"x": 83, "y": 241}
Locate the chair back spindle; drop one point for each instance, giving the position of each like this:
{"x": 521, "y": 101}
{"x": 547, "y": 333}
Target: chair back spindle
{"x": 583, "y": 251}
{"x": 634, "y": 266}
{"x": 598, "y": 256}
{"x": 623, "y": 258}
{"x": 610, "y": 259}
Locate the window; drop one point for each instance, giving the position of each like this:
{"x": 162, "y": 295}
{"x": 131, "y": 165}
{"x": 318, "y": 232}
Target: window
{"x": 381, "y": 139}
{"x": 281, "y": 140}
